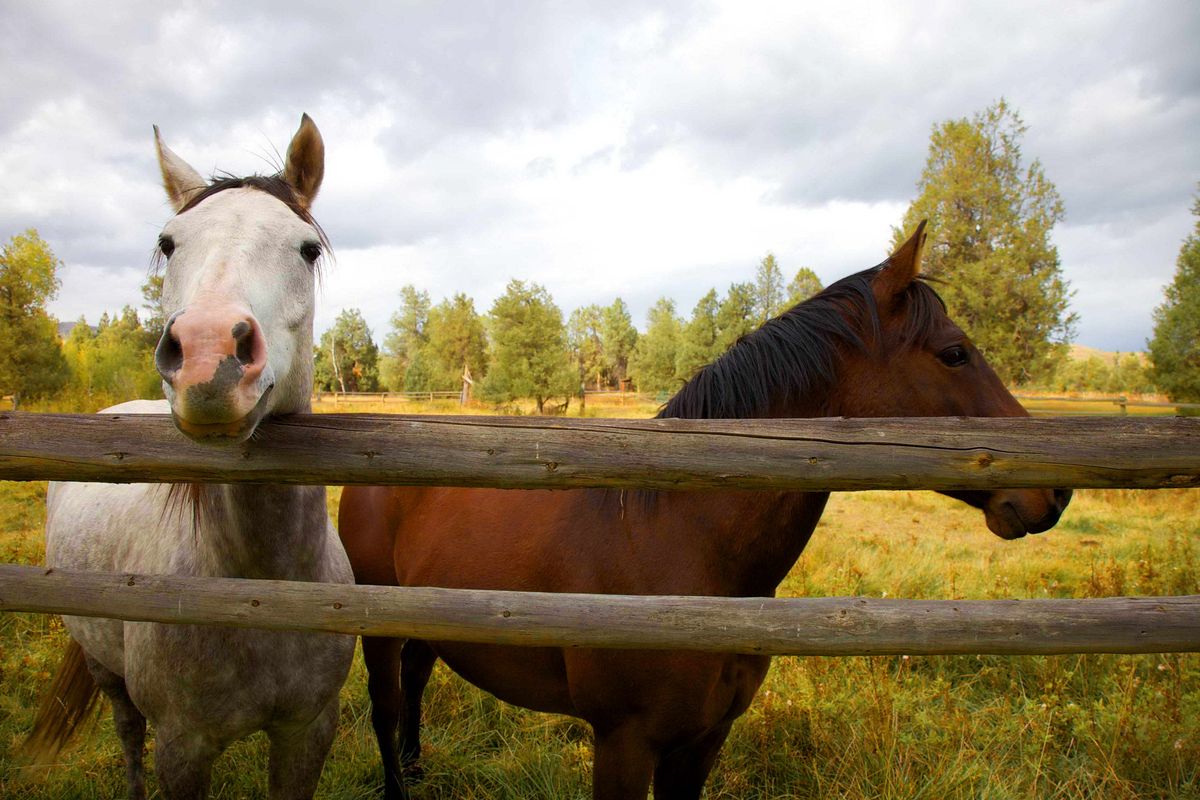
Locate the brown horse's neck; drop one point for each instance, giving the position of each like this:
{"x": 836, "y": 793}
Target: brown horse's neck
{"x": 263, "y": 531}
{"x": 751, "y": 539}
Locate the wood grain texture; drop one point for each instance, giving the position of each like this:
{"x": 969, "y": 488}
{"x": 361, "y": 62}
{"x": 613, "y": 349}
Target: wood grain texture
{"x": 831, "y": 626}
{"x": 548, "y": 453}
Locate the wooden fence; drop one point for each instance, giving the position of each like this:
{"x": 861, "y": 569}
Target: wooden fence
{"x": 833, "y": 454}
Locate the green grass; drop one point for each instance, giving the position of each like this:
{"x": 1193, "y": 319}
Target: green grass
{"x": 880, "y": 727}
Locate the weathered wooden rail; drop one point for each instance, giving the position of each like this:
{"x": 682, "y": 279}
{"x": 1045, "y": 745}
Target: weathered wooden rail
{"x": 939, "y": 453}
{"x": 828, "y": 454}
{"x": 826, "y": 626}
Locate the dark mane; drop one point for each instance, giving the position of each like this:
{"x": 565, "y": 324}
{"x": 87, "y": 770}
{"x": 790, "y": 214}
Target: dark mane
{"x": 795, "y": 355}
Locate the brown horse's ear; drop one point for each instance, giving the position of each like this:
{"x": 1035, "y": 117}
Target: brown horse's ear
{"x": 180, "y": 180}
{"x": 902, "y": 266}
{"x": 305, "y": 161}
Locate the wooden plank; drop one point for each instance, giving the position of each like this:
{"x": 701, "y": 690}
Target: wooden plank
{"x": 830, "y": 626}
{"x": 550, "y": 453}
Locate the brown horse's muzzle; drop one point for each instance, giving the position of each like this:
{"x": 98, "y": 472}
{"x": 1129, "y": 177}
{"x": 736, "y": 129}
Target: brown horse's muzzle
{"x": 213, "y": 360}
{"x": 1012, "y": 513}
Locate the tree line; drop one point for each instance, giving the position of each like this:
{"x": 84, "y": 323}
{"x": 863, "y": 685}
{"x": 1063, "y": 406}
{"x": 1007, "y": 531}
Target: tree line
{"x": 989, "y": 252}
{"x": 524, "y": 348}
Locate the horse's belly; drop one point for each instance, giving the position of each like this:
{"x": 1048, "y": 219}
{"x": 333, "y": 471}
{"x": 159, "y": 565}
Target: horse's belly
{"x": 530, "y": 677}
{"x": 232, "y": 682}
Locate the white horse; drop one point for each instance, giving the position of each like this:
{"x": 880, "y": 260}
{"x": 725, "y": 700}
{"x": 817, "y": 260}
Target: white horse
{"x": 238, "y": 292}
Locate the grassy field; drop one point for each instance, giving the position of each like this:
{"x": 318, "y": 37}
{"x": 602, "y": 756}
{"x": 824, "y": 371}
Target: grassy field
{"x": 882, "y": 727}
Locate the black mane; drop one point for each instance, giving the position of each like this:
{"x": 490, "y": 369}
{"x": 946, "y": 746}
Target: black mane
{"x": 794, "y": 355}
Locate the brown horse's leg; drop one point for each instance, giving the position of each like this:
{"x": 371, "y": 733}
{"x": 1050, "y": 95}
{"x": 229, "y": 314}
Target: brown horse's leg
{"x": 382, "y": 657}
{"x": 130, "y": 725}
{"x": 681, "y": 773}
{"x": 416, "y": 665}
{"x": 623, "y": 764}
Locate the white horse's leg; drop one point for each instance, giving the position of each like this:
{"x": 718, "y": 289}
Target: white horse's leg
{"x": 130, "y": 725}
{"x": 297, "y": 755}
{"x": 183, "y": 761}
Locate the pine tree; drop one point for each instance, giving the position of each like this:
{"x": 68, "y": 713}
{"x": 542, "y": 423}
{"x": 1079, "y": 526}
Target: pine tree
{"x": 585, "y": 333}
{"x": 990, "y": 220}
{"x": 699, "y": 342}
{"x": 618, "y": 337}
{"x": 1175, "y": 347}
{"x": 735, "y": 315}
{"x": 31, "y": 359}
{"x": 529, "y": 348}
{"x": 455, "y": 338}
{"x": 803, "y": 286}
{"x": 653, "y": 363}
{"x": 768, "y": 289}
{"x": 404, "y": 341}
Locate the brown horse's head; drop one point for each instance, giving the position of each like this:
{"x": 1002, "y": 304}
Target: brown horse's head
{"x": 917, "y": 362}
{"x": 874, "y": 344}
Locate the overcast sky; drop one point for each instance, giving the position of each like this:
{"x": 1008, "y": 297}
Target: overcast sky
{"x": 600, "y": 149}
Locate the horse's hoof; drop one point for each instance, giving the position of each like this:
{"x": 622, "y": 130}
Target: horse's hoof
{"x": 412, "y": 772}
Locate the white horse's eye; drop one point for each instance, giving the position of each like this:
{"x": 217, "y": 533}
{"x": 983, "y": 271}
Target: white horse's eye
{"x": 311, "y": 252}
{"x": 166, "y": 245}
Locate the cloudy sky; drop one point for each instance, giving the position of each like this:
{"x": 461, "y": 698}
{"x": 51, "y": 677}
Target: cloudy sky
{"x": 600, "y": 149}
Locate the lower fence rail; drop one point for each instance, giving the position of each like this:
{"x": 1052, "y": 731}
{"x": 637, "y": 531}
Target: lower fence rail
{"x": 827, "y": 626}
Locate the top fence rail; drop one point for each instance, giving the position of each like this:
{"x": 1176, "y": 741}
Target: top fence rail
{"x": 941, "y": 453}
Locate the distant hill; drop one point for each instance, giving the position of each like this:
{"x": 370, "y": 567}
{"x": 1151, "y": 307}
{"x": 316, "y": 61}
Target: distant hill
{"x": 1081, "y": 352}
{"x": 64, "y": 329}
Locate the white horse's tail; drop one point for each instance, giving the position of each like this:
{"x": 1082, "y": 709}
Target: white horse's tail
{"x": 69, "y": 701}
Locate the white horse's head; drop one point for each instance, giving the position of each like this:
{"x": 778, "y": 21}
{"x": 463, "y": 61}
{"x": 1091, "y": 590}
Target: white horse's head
{"x": 238, "y": 291}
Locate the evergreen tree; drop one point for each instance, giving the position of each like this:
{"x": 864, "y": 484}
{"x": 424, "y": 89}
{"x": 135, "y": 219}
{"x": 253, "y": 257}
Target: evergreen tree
{"x": 156, "y": 320}
{"x": 699, "y": 343}
{"x": 768, "y": 289}
{"x": 990, "y": 220}
{"x": 31, "y": 359}
{"x": 585, "y": 338}
{"x": 347, "y": 359}
{"x": 455, "y": 338}
{"x": 803, "y": 286}
{"x": 1175, "y": 347}
{"x": 529, "y": 348}
{"x": 735, "y": 315}
{"x": 403, "y": 342}
{"x": 618, "y": 337}
{"x": 653, "y": 361}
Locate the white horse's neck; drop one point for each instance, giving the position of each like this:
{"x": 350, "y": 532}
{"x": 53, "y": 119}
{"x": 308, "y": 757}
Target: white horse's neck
{"x": 263, "y": 531}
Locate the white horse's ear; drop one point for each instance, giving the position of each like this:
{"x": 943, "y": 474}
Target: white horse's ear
{"x": 902, "y": 266}
{"x": 305, "y": 161}
{"x": 180, "y": 180}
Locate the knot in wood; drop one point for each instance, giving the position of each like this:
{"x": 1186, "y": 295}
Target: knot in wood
{"x": 985, "y": 460}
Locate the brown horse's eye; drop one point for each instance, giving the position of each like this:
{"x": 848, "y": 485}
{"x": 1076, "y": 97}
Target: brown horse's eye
{"x": 311, "y": 252}
{"x": 166, "y": 245}
{"x": 954, "y": 356}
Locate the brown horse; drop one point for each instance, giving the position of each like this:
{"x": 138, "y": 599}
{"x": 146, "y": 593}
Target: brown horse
{"x": 877, "y": 343}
